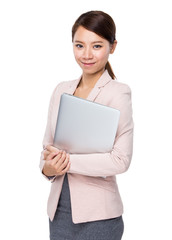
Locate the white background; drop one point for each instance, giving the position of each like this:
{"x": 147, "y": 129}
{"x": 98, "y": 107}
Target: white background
{"x": 35, "y": 55}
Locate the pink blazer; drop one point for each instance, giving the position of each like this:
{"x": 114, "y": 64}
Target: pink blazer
{"x": 92, "y": 177}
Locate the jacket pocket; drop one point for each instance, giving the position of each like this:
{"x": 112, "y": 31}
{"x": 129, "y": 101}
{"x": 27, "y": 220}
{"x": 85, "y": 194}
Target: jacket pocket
{"x": 107, "y": 183}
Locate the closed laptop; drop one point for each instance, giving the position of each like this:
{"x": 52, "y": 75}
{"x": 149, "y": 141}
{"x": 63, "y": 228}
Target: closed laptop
{"x": 84, "y": 126}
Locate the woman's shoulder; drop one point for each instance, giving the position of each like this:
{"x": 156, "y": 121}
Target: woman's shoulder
{"x": 112, "y": 86}
{"x": 118, "y": 86}
{"x": 63, "y": 85}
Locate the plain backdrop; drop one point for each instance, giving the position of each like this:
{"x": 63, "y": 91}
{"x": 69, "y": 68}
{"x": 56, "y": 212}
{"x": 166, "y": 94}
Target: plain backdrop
{"x": 35, "y": 55}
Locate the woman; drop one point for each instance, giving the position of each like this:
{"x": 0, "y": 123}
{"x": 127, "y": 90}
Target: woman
{"x": 83, "y": 204}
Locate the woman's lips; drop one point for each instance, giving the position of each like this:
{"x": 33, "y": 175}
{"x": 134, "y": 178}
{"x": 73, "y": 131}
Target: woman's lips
{"x": 87, "y": 64}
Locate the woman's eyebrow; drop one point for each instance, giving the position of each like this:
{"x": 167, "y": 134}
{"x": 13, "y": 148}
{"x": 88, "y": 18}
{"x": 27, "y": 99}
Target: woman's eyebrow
{"x": 97, "y": 42}
{"x": 77, "y": 41}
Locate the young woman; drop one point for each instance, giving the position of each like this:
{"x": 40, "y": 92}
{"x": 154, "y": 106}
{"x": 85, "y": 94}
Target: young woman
{"x": 83, "y": 204}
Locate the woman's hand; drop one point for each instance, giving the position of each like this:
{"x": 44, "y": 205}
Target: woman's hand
{"x": 57, "y": 161}
{"x": 50, "y": 149}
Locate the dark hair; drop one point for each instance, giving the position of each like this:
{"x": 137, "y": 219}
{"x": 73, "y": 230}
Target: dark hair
{"x": 100, "y": 23}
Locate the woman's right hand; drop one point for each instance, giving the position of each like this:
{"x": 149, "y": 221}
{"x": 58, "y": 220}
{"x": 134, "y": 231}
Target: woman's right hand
{"x": 56, "y": 164}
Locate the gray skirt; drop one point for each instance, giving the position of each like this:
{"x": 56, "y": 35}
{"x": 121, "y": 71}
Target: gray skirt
{"x": 62, "y": 227}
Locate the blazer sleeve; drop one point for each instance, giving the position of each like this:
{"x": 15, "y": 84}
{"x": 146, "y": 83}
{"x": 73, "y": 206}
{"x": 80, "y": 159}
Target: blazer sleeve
{"x": 48, "y": 136}
{"x": 118, "y": 160}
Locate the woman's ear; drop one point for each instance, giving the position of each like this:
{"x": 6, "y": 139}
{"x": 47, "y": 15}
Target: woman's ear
{"x": 113, "y": 46}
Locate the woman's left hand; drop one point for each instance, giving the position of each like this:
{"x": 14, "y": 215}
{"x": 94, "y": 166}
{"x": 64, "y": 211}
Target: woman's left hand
{"x": 50, "y": 149}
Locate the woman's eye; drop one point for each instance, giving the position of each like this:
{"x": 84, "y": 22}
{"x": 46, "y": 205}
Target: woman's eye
{"x": 97, "y": 46}
{"x": 78, "y": 45}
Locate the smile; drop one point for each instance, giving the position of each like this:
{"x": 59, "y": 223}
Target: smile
{"x": 87, "y": 64}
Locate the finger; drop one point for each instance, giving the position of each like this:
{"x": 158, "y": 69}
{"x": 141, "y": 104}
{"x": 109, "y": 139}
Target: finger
{"x": 66, "y": 169}
{"x": 52, "y": 149}
{"x": 51, "y": 156}
{"x": 59, "y": 159}
{"x": 63, "y": 164}
{"x": 63, "y": 157}
{"x": 46, "y": 153}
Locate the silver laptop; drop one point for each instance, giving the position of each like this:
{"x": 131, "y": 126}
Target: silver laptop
{"x": 84, "y": 126}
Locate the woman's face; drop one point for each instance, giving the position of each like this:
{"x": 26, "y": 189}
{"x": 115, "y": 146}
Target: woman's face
{"x": 91, "y": 51}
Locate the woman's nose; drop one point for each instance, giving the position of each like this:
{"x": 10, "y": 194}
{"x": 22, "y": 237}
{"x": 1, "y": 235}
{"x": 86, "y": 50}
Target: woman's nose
{"x": 88, "y": 53}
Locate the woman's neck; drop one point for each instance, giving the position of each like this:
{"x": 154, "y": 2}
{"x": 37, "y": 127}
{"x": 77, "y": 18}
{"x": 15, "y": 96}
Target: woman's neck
{"x": 89, "y": 80}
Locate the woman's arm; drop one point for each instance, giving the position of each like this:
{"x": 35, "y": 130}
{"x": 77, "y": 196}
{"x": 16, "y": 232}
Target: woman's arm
{"x": 47, "y": 168}
{"x": 118, "y": 160}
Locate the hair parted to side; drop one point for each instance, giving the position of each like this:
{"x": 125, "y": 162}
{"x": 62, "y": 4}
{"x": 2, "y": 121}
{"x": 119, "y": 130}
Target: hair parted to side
{"x": 100, "y": 23}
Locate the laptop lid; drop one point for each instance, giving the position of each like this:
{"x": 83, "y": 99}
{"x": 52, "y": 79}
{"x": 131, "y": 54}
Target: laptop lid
{"x": 84, "y": 126}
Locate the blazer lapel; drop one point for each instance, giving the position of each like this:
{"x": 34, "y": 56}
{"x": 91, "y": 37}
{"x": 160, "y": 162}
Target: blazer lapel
{"x": 102, "y": 81}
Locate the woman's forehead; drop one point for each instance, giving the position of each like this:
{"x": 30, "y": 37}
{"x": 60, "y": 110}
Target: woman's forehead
{"x": 83, "y": 35}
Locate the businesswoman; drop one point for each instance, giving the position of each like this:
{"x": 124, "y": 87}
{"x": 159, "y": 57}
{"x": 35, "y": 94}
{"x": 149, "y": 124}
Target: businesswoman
{"x": 84, "y": 201}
